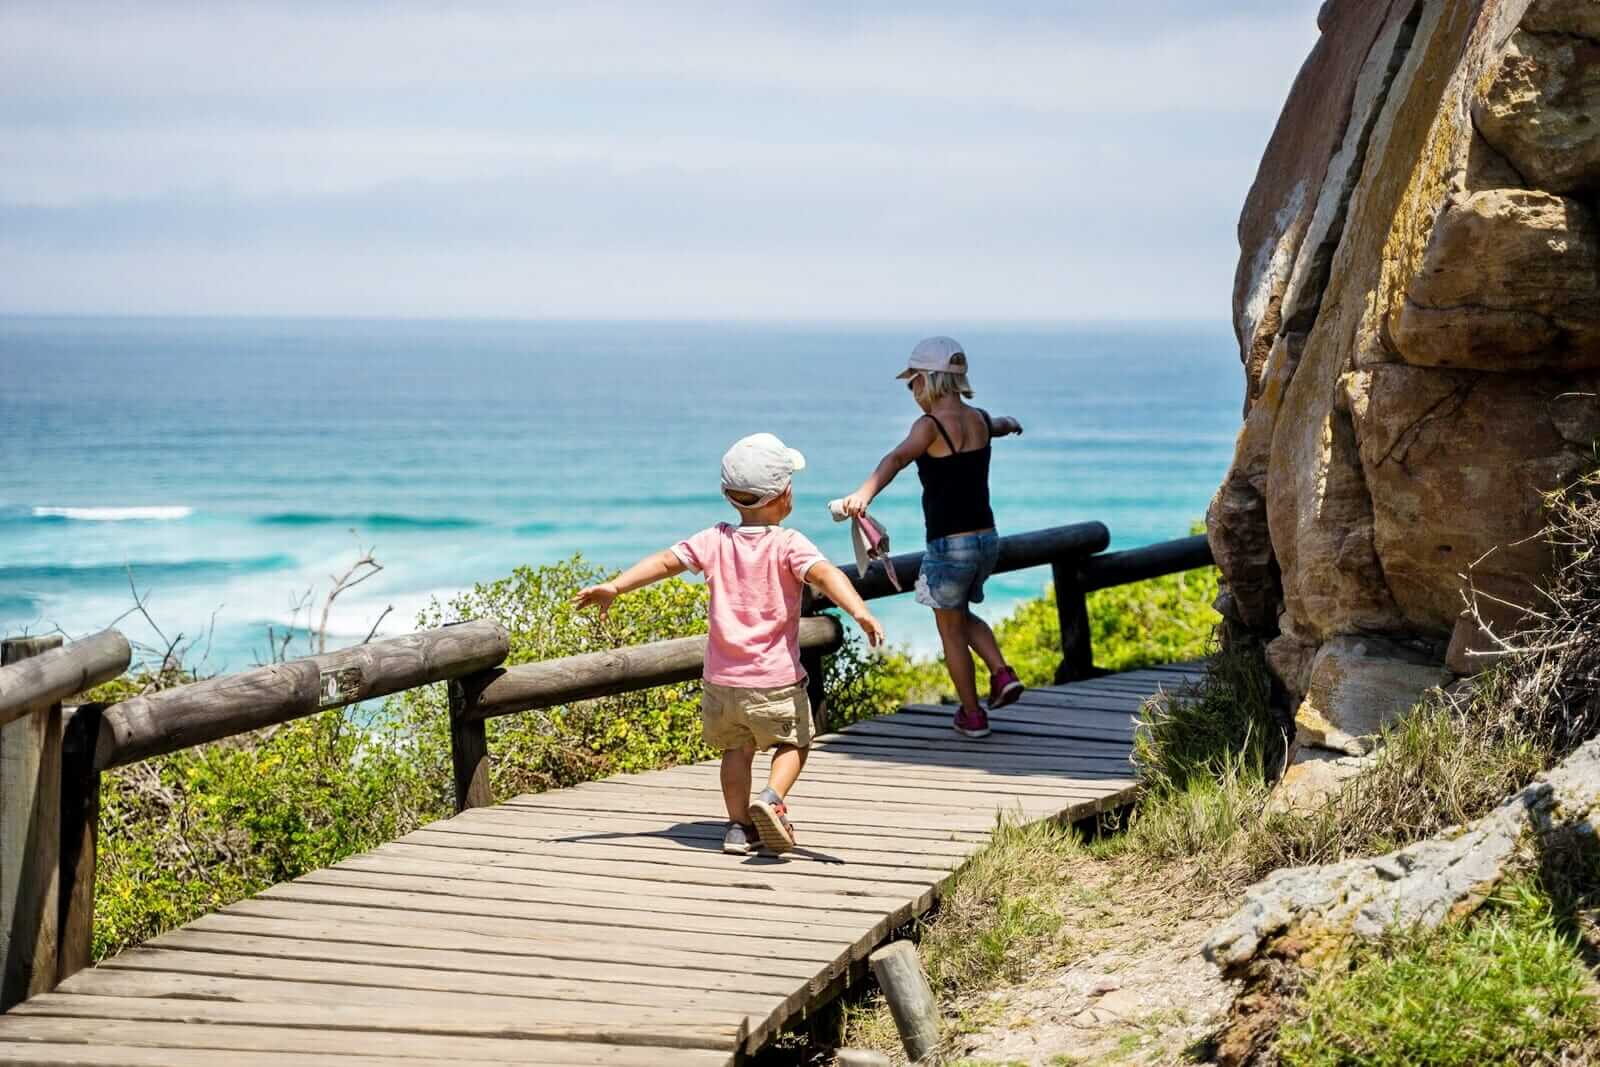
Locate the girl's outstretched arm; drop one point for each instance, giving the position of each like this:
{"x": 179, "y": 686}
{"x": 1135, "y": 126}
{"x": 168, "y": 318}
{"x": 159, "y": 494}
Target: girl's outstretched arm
{"x": 653, "y": 568}
{"x": 1006, "y": 425}
{"x": 915, "y": 444}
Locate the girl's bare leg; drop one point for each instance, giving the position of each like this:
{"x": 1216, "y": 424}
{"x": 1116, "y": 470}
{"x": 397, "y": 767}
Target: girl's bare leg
{"x": 736, "y": 782}
{"x": 952, "y": 624}
{"x": 983, "y": 642}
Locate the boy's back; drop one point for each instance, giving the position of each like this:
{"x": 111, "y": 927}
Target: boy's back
{"x": 756, "y": 575}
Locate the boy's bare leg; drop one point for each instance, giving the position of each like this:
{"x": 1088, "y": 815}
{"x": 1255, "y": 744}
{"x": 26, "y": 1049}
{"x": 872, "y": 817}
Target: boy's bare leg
{"x": 983, "y": 642}
{"x": 736, "y": 782}
{"x": 787, "y": 762}
{"x": 957, "y": 655}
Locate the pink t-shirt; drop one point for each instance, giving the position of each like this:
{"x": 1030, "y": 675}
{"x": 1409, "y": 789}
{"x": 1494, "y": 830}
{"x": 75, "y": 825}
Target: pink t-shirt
{"x": 756, "y": 575}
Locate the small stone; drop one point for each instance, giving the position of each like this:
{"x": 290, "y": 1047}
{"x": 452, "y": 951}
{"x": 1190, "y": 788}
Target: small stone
{"x": 859, "y": 1057}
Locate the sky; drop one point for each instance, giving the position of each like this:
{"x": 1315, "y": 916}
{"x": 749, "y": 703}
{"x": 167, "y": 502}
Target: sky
{"x": 1075, "y": 160}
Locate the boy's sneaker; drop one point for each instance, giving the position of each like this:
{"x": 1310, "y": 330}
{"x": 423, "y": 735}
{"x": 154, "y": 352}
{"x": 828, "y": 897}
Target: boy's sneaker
{"x": 974, "y": 723}
{"x": 1006, "y": 688}
{"x": 740, "y": 840}
{"x": 770, "y": 814}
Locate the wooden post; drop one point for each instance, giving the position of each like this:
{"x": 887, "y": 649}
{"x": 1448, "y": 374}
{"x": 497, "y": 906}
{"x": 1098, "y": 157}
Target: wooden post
{"x": 80, "y": 841}
{"x": 30, "y": 828}
{"x": 905, "y": 987}
{"x": 1072, "y": 608}
{"x": 469, "y": 749}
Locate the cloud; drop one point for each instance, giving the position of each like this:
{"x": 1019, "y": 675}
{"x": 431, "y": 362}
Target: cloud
{"x": 1053, "y": 159}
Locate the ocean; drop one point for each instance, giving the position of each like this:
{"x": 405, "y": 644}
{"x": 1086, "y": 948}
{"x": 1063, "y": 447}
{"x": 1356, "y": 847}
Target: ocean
{"x": 231, "y": 465}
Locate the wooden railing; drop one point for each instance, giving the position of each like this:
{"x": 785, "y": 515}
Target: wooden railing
{"x": 51, "y": 760}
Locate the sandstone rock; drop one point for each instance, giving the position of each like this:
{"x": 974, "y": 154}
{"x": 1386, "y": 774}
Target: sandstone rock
{"x": 1290, "y": 658}
{"x": 1580, "y": 18}
{"x": 1540, "y": 105}
{"x": 1288, "y": 184}
{"x": 1358, "y": 686}
{"x": 1422, "y": 884}
{"x": 1511, "y": 280}
{"x": 1313, "y": 778}
{"x": 1457, "y": 463}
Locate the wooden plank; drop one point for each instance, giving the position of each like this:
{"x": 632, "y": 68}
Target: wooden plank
{"x": 60, "y": 1054}
{"x": 665, "y": 1030}
{"x": 527, "y": 871}
{"x": 397, "y": 934}
{"x": 604, "y": 909}
{"x": 533, "y": 931}
{"x": 691, "y": 800}
{"x": 703, "y": 834}
{"x": 569, "y": 915}
{"x": 424, "y": 1006}
{"x": 337, "y": 975}
{"x": 30, "y": 837}
{"x": 483, "y": 963}
{"x": 397, "y": 1047}
{"x": 601, "y": 879}
{"x": 1001, "y": 737}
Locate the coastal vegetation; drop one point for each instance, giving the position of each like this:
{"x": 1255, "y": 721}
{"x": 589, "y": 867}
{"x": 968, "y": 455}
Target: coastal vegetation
{"x": 190, "y": 832}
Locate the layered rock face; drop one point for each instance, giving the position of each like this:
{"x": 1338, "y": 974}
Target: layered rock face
{"x": 1418, "y": 308}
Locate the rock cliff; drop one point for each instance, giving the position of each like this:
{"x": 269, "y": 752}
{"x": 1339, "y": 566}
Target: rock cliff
{"x": 1418, "y": 311}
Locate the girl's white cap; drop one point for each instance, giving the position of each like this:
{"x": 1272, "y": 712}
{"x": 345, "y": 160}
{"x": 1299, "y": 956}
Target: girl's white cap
{"x": 936, "y": 354}
{"x": 760, "y": 465}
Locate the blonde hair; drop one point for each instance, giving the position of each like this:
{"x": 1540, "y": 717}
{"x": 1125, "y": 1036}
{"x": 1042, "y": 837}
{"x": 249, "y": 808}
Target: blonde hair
{"x": 940, "y": 383}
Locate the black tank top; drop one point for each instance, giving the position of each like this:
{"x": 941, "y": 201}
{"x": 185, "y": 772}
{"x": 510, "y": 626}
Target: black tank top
{"x": 955, "y": 488}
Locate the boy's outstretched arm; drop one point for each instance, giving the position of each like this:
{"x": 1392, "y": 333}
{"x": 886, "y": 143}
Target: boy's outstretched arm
{"x": 652, "y": 568}
{"x": 904, "y": 453}
{"x": 837, "y": 588}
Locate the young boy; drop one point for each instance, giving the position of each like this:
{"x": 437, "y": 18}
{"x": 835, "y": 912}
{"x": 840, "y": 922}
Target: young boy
{"x": 754, "y": 689}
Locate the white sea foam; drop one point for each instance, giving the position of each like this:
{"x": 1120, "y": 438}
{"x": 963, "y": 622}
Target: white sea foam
{"x": 146, "y": 514}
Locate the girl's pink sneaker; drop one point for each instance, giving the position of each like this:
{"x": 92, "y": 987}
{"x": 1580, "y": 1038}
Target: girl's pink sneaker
{"x": 1006, "y": 688}
{"x": 974, "y": 723}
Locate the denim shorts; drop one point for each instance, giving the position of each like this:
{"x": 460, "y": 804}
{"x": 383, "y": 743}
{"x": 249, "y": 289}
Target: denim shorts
{"x": 954, "y": 569}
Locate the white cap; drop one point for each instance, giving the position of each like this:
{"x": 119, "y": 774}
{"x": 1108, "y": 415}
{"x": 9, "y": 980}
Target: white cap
{"x": 761, "y": 465}
{"x": 936, "y": 354}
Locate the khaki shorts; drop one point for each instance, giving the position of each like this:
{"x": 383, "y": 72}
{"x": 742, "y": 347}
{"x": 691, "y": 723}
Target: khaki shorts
{"x": 734, "y": 716}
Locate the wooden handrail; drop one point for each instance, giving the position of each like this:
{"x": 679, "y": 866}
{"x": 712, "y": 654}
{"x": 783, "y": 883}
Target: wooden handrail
{"x": 553, "y": 682}
{"x": 187, "y": 715}
{"x": 1018, "y": 552}
{"x": 1142, "y": 564}
{"x": 35, "y": 684}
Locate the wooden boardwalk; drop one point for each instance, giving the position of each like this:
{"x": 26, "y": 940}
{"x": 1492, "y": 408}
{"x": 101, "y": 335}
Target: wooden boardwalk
{"x": 599, "y": 924}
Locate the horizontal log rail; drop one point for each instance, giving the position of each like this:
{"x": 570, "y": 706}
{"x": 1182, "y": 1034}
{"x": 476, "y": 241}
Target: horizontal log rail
{"x": 553, "y": 682}
{"x": 188, "y": 715}
{"x": 34, "y": 684}
{"x": 1142, "y": 564}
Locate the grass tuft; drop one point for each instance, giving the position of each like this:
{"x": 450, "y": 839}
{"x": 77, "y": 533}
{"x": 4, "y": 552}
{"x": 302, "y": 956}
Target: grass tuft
{"x": 1506, "y": 987}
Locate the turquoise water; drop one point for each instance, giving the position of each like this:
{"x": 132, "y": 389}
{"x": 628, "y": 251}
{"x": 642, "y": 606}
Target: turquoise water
{"x": 227, "y": 461}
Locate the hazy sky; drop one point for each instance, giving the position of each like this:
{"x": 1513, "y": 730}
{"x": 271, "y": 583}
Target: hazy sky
{"x": 1077, "y": 159}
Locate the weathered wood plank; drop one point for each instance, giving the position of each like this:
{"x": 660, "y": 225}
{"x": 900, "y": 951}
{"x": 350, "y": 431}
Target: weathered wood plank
{"x": 403, "y": 1048}
{"x": 681, "y": 1029}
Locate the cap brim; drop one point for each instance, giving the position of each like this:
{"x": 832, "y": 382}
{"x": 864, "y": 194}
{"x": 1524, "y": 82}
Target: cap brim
{"x": 907, "y": 373}
{"x": 798, "y": 460}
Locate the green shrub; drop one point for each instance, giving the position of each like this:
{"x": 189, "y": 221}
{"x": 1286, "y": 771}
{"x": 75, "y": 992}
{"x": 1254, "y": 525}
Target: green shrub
{"x": 1507, "y": 987}
{"x": 1224, "y": 725}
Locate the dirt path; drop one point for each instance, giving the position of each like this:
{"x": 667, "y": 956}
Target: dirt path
{"x": 1139, "y": 993}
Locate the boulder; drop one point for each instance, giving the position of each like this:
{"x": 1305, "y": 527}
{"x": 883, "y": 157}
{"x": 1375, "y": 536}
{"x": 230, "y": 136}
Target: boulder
{"x": 1359, "y": 685}
{"x": 1510, "y": 281}
{"x": 1313, "y": 778}
{"x": 1420, "y": 322}
{"x": 1307, "y": 911}
{"x": 1540, "y": 106}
